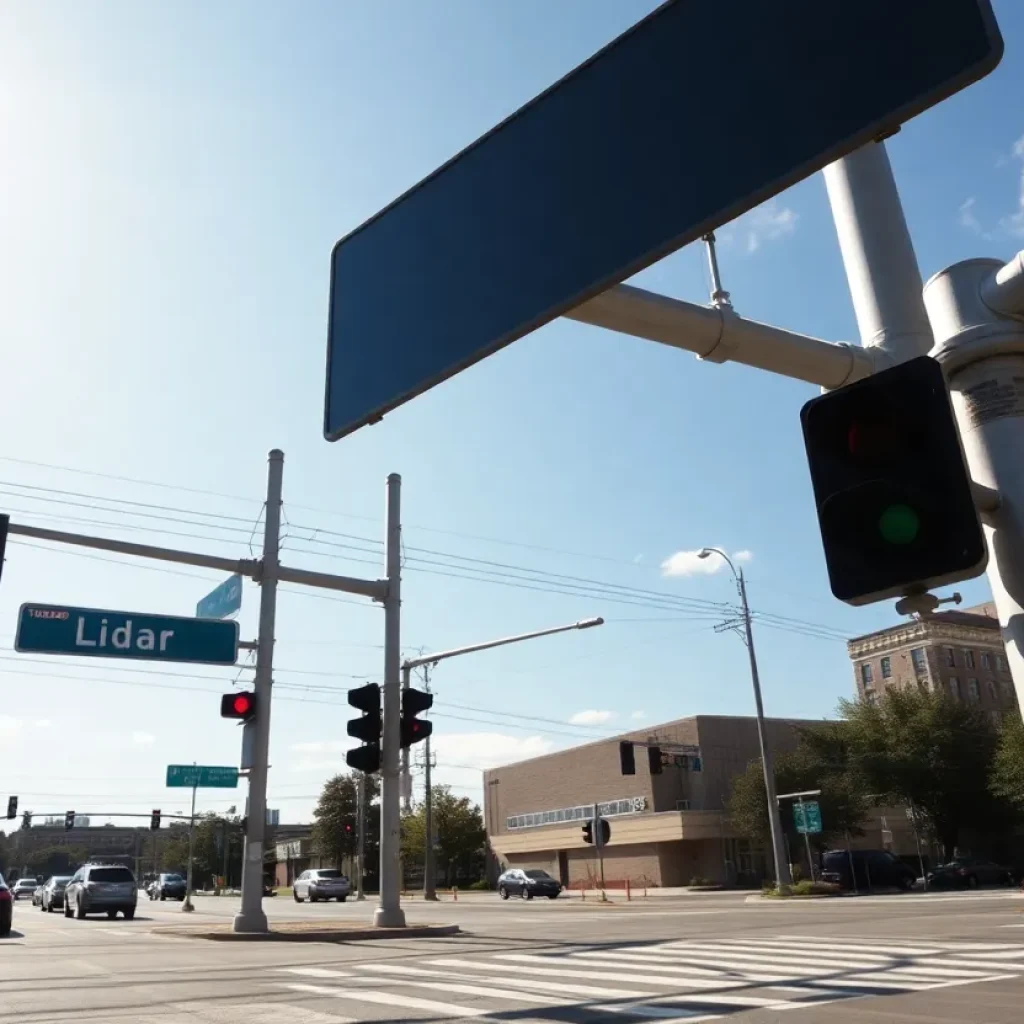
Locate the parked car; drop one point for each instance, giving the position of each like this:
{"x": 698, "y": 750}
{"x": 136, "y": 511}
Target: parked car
{"x": 53, "y": 892}
{"x": 969, "y": 873}
{"x": 23, "y": 887}
{"x": 528, "y": 883}
{"x": 321, "y": 884}
{"x": 101, "y": 888}
{"x": 872, "y": 869}
{"x": 37, "y": 896}
{"x": 167, "y": 887}
{"x": 6, "y": 908}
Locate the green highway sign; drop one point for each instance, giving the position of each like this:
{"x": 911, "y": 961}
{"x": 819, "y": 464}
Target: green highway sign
{"x": 201, "y": 776}
{"x": 807, "y": 817}
{"x": 100, "y": 633}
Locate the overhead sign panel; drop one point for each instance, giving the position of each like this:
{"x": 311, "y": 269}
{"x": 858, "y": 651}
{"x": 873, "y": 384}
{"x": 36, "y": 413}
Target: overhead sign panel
{"x": 100, "y": 633}
{"x": 225, "y": 599}
{"x": 201, "y": 776}
{"x": 702, "y": 110}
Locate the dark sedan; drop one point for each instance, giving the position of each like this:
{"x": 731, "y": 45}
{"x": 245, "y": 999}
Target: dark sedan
{"x": 6, "y": 909}
{"x": 969, "y": 873}
{"x": 167, "y": 887}
{"x": 528, "y": 883}
{"x": 52, "y": 894}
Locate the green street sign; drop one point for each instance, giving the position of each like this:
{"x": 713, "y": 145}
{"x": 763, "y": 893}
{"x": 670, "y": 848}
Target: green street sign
{"x": 99, "y": 633}
{"x": 807, "y": 817}
{"x": 201, "y": 776}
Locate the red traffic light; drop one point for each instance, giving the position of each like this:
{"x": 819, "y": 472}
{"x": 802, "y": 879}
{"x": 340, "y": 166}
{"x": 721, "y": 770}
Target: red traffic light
{"x": 238, "y": 705}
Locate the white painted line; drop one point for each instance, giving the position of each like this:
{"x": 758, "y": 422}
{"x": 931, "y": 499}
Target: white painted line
{"x": 687, "y": 969}
{"x": 843, "y": 947}
{"x": 994, "y": 956}
{"x": 533, "y": 982}
{"x": 390, "y": 999}
{"x": 666, "y": 1015}
{"x": 780, "y": 954}
{"x": 314, "y": 972}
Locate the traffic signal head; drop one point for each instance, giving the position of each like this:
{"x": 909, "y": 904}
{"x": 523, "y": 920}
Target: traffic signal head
{"x": 5, "y": 522}
{"x": 240, "y": 705}
{"x": 588, "y": 832}
{"x": 69, "y": 820}
{"x": 892, "y": 490}
{"x": 412, "y": 729}
{"x": 627, "y": 757}
{"x": 654, "y": 760}
{"x": 366, "y": 699}
{"x": 12, "y": 807}
{"x": 154, "y": 820}
{"x": 604, "y": 830}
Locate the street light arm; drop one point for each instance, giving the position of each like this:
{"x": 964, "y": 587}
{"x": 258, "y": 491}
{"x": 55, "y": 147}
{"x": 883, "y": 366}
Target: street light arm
{"x": 430, "y": 659}
{"x": 704, "y": 552}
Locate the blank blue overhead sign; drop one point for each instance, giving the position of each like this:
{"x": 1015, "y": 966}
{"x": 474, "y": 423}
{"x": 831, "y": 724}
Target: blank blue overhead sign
{"x": 702, "y": 110}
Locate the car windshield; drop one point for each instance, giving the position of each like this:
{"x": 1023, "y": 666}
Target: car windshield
{"x": 110, "y": 875}
{"x": 329, "y": 873}
{"x": 537, "y": 874}
{"x": 26, "y": 882}
{"x": 60, "y": 879}
{"x": 173, "y": 878}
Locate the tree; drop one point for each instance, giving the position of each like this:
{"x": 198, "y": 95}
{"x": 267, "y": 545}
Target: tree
{"x": 335, "y": 827}
{"x": 1008, "y": 763}
{"x": 461, "y": 836}
{"x": 56, "y": 860}
{"x": 926, "y": 749}
{"x": 5, "y": 852}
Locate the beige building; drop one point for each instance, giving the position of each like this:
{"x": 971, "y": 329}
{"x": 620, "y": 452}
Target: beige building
{"x": 958, "y": 652}
{"x": 666, "y": 829}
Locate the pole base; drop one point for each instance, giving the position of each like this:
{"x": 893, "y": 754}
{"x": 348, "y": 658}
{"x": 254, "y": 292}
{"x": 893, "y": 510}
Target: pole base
{"x": 186, "y": 907}
{"x": 430, "y": 897}
{"x": 250, "y": 924}
{"x": 388, "y": 918}
{"x": 361, "y": 898}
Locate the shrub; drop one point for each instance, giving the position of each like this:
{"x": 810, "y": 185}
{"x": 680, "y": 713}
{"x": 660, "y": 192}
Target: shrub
{"x": 698, "y": 880}
{"x": 479, "y": 885}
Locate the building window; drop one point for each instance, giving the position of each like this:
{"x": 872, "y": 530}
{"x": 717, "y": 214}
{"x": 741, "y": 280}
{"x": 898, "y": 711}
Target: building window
{"x": 954, "y": 687}
{"x": 631, "y": 805}
{"x": 986, "y": 661}
{"x": 919, "y": 661}
{"x": 886, "y": 668}
{"x": 1001, "y": 663}
{"x": 866, "y": 675}
{"x": 950, "y": 657}
{"x": 991, "y": 687}
{"x": 973, "y": 693}
{"x": 996, "y": 718}
{"x": 1008, "y": 695}
{"x": 969, "y": 659}
{"x": 871, "y": 698}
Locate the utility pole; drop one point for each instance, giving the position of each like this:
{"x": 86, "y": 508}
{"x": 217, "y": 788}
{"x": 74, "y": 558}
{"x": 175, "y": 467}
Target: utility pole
{"x": 360, "y": 835}
{"x": 251, "y": 917}
{"x": 429, "y": 866}
{"x": 187, "y": 903}
{"x": 224, "y": 844}
{"x": 389, "y": 913}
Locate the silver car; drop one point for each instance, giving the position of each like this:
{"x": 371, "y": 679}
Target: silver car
{"x": 101, "y": 888}
{"x": 321, "y": 884}
{"x": 52, "y": 893}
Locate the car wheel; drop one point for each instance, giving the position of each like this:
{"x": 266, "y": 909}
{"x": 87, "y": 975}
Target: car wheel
{"x": 527, "y": 895}
{"x": 553, "y": 896}
{"x": 341, "y": 899}
{"x": 80, "y": 910}
{"x": 296, "y": 897}
{"x": 67, "y": 907}
{"x": 162, "y": 897}
{"x": 503, "y": 892}
{"x": 111, "y": 914}
{"x": 129, "y": 913}
{"x": 972, "y": 882}
{"x": 5, "y": 927}
{"x": 313, "y": 898}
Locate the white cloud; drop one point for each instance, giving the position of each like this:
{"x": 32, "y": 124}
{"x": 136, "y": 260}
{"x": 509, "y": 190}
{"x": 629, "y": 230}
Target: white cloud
{"x": 637, "y": 715}
{"x": 967, "y": 217}
{"x": 43, "y": 723}
{"x": 10, "y": 726}
{"x": 591, "y": 717}
{"x": 143, "y": 739}
{"x": 637, "y": 559}
{"x": 321, "y": 747}
{"x": 481, "y": 750}
{"x": 689, "y": 563}
{"x": 767, "y": 223}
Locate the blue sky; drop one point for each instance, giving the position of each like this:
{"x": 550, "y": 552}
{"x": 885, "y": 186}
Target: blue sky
{"x": 173, "y": 181}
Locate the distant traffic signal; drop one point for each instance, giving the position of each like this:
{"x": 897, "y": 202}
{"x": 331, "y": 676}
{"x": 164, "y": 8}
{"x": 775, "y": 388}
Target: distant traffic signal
{"x": 365, "y": 758}
{"x": 154, "y": 820}
{"x": 892, "y": 491}
{"x": 26, "y": 819}
{"x": 240, "y": 705}
{"x": 654, "y": 760}
{"x": 69, "y": 820}
{"x": 588, "y": 832}
{"x": 627, "y": 757}
{"x": 5, "y": 522}
{"x": 602, "y": 833}
{"x": 412, "y": 729}
{"x": 12, "y": 807}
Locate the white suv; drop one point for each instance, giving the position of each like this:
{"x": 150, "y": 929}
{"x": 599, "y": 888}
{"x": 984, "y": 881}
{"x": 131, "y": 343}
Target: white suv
{"x": 321, "y": 884}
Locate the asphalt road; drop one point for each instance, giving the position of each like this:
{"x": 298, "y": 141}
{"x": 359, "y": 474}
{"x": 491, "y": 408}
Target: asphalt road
{"x": 885, "y": 960}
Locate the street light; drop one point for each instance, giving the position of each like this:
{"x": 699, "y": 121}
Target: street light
{"x": 425, "y": 661}
{"x": 782, "y": 875}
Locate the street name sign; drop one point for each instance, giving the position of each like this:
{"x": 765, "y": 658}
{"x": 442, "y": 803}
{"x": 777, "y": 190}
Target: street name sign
{"x": 224, "y": 600}
{"x": 807, "y": 817}
{"x": 698, "y": 113}
{"x": 101, "y": 633}
{"x": 201, "y": 776}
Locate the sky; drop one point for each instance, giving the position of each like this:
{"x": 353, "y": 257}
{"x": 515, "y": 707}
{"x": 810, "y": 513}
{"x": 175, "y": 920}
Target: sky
{"x": 172, "y": 181}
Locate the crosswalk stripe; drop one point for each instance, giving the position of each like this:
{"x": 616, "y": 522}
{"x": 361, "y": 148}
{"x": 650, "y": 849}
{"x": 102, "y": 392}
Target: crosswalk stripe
{"x": 771, "y": 953}
{"x": 315, "y": 972}
{"x": 994, "y": 956}
{"x": 749, "y": 962}
{"x": 491, "y": 991}
{"x": 550, "y": 986}
{"x": 849, "y": 947}
{"x": 664, "y": 1015}
{"x": 388, "y": 999}
{"x": 706, "y": 971}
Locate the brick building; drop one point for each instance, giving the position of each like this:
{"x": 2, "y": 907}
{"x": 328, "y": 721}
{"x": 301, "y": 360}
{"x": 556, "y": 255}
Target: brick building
{"x": 666, "y": 829}
{"x": 958, "y": 652}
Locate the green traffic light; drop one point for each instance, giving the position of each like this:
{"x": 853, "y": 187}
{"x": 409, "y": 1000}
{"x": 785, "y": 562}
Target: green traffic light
{"x": 899, "y": 524}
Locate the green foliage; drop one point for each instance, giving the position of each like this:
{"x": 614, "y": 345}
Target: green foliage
{"x": 480, "y": 885}
{"x": 337, "y": 808}
{"x": 461, "y": 837}
{"x": 698, "y": 881}
{"x": 805, "y": 888}
{"x": 56, "y": 860}
{"x": 211, "y": 833}
{"x": 1008, "y": 763}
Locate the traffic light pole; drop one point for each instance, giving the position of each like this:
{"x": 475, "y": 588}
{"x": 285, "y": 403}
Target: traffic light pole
{"x": 429, "y": 866}
{"x": 187, "y": 903}
{"x": 250, "y": 917}
{"x": 361, "y": 836}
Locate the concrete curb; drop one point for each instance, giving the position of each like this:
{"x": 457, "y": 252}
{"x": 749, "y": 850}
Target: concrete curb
{"x": 306, "y": 934}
